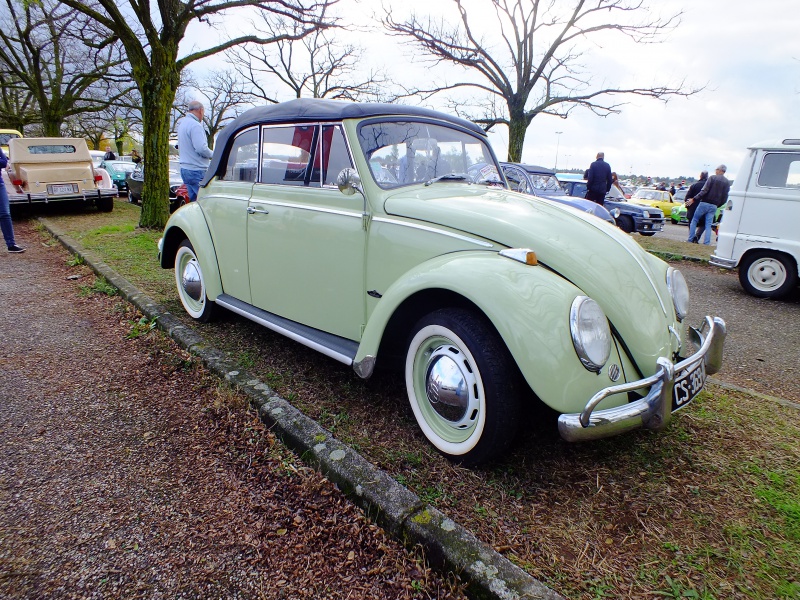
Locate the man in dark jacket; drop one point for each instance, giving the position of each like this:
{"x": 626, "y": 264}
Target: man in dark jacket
{"x": 713, "y": 195}
{"x": 599, "y": 180}
{"x": 691, "y": 205}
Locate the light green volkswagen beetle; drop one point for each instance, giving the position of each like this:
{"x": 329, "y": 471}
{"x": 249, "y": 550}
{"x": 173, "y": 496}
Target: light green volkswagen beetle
{"x": 375, "y": 232}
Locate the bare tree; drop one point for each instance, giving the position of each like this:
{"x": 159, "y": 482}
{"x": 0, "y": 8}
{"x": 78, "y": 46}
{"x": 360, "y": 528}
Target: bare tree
{"x": 534, "y": 68}
{"x": 314, "y": 66}
{"x": 225, "y": 97}
{"x": 17, "y": 103}
{"x": 117, "y": 122}
{"x": 69, "y": 64}
{"x": 152, "y": 33}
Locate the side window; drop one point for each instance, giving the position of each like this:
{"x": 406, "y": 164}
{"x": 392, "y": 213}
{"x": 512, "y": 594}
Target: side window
{"x": 334, "y": 155}
{"x": 781, "y": 170}
{"x": 243, "y": 158}
{"x": 286, "y": 155}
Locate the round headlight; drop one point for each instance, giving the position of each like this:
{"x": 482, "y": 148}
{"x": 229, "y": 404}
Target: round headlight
{"x": 679, "y": 292}
{"x": 590, "y": 333}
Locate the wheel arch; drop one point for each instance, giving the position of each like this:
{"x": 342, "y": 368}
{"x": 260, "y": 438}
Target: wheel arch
{"x": 775, "y": 251}
{"x": 189, "y": 223}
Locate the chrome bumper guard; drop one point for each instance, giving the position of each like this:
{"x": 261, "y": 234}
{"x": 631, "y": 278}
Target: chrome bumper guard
{"x": 654, "y": 411}
{"x": 718, "y": 261}
{"x": 26, "y": 198}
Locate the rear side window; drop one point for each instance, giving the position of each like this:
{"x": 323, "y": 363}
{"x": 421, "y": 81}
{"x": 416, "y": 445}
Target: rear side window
{"x": 243, "y": 157}
{"x": 780, "y": 170}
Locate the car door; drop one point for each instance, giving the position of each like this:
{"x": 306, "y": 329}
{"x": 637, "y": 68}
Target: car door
{"x": 305, "y": 239}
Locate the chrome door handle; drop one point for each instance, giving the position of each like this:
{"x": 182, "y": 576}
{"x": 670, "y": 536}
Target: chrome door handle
{"x": 252, "y": 211}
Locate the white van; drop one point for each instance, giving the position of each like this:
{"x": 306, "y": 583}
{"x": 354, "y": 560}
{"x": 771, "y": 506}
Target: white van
{"x": 760, "y": 228}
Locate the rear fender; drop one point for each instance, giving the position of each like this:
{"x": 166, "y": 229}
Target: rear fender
{"x": 189, "y": 223}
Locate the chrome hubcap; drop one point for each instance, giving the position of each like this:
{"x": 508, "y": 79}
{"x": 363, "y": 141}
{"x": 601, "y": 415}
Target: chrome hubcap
{"x": 449, "y": 387}
{"x": 191, "y": 281}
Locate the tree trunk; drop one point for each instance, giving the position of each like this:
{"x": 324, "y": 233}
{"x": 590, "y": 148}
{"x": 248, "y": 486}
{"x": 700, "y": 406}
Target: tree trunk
{"x": 158, "y": 94}
{"x": 517, "y": 127}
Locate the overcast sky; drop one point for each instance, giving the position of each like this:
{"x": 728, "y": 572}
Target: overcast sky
{"x": 745, "y": 53}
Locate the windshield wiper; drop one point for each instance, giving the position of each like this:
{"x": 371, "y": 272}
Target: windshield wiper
{"x": 450, "y": 177}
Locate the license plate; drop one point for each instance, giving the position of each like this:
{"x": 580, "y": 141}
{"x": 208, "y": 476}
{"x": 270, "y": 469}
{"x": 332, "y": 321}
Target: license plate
{"x": 688, "y": 384}
{"x": 62, "y": 188}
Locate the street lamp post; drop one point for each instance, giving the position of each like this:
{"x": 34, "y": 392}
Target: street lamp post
{"x": 558, "y": 139}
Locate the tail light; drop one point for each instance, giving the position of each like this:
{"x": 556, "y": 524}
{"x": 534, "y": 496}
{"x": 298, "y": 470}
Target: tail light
{"x": 17, "y": 182}
{"x": 98, "y": 178}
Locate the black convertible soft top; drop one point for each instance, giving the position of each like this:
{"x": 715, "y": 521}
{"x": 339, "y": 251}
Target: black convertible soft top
{"x": 309, "y": 110}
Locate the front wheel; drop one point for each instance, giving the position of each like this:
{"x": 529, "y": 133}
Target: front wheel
{"x": 767, "y": 275}
{"x": 191, "y": 284}
{"x": 463, "y": 386}
{"x": 647, "y": 233}
{"x": 625, "y": 222}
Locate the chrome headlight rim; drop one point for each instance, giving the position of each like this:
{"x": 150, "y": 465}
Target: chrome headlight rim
{"x": 592, "y": 344}
{"x": 679, "y": 291}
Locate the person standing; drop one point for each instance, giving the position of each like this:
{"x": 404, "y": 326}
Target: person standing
{"x": 5, "y": 211}
{"x": 193, "y": 150}
{"x": 109, "y": 155}
{"x": 598, "y": 180}
{"x": 713, "y": 195}
{"x": 135, "y": 158}
{"x": 691, "y": 205}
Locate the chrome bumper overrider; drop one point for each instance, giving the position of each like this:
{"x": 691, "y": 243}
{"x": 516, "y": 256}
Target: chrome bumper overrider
{"x": 718, "y": 261}
{"x": 654, "y": 411}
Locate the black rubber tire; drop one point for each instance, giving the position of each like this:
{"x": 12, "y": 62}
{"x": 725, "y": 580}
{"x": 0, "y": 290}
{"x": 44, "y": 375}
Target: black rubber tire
{"x": 105, "y": 204}
{"x": 647, "y": 233}
{"x": 625, "y": 222}
{"x": 766, "y": 274}
{"x": 472, "y": 343}
{"x": 201, "y": 309}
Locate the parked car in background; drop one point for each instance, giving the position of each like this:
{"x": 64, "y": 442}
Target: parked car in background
{"x": 484, "y": 298}
{"x": 678, "y": 214}
{"x": 135, "y": 181}
{"x": 628, "y": 191}
{"x": 56, "y": 169}
{"x": 633, "y": 218}
{"x": 118, "y": 170}
{"x": 659, "y": 199}
{"x": 541, "y": 182}
{"x": 759, "y": 230}
{"x": 8, "y": 134}
{"x": 97, "y": 157}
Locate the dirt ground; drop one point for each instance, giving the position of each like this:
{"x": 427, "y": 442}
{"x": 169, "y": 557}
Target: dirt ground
{"x": 127, "y": 471}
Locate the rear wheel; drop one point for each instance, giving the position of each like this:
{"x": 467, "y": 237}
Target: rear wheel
{"x": 647, "y": 233}
{"x": 191, "y": 284}
{"x": 105, "y": 204}
{"x": 767, "y": 275}
{"x": 463, "y": 386}
{"x": 625, "y": 222}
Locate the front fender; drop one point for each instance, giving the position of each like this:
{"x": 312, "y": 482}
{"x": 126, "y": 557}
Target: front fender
{"x": 528, "y": 305}
{"x": 189, "y": 222}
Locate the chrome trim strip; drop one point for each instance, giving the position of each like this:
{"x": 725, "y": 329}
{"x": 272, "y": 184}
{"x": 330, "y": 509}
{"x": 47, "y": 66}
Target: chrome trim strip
{"x": 654, "y": 410}
{"x": 347, "y": 360}
{"x": 434, "y": 230}
{"x": 314, "y": 208}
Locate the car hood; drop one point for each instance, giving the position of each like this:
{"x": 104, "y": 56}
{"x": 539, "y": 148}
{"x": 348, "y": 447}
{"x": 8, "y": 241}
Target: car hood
{"x": 598, "y": 258}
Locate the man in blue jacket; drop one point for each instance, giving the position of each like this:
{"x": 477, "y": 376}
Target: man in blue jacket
{"x": 598, "y": 180}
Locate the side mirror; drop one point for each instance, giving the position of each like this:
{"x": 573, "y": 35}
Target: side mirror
{"x": 349, "y": 182}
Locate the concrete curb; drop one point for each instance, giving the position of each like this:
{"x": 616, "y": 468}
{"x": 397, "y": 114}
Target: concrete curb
{"x": 447, "y": 545}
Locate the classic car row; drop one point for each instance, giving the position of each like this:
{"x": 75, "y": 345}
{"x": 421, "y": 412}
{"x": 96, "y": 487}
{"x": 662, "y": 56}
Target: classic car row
{"x": 386, "y": 235}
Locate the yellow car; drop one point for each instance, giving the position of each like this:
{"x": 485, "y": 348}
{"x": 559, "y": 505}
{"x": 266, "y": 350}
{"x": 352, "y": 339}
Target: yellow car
{"x": 8, "y": 134}
{"x": 656, "y": 198}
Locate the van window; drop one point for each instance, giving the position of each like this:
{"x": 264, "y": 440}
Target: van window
{"x": 781, "y": 170}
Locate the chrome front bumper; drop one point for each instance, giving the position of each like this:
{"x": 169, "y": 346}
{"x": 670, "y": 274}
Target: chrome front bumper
{"x": 718, "y": 261}
{"x": 654, "y": 411}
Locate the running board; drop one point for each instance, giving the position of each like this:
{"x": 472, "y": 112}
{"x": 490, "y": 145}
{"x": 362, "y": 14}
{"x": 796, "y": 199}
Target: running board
{"x": 338, "y": 348}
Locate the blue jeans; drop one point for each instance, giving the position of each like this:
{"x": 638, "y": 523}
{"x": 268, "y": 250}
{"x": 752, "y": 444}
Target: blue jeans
{"x": 5, "y": 216}
{"x": 192, "y": 180}
{"x": 705, "y": 211}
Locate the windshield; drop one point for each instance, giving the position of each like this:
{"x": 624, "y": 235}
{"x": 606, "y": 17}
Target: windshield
{"x": 407, "y": 152}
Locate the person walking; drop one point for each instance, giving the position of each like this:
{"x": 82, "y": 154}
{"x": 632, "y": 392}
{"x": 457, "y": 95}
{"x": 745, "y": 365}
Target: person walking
{"x": 5, "y": 211}
{"x": 598, "y": 180}
{"x": 691, "y": 205}
{"x": 193, "y": 150}
{"x": 713, "y": 195}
